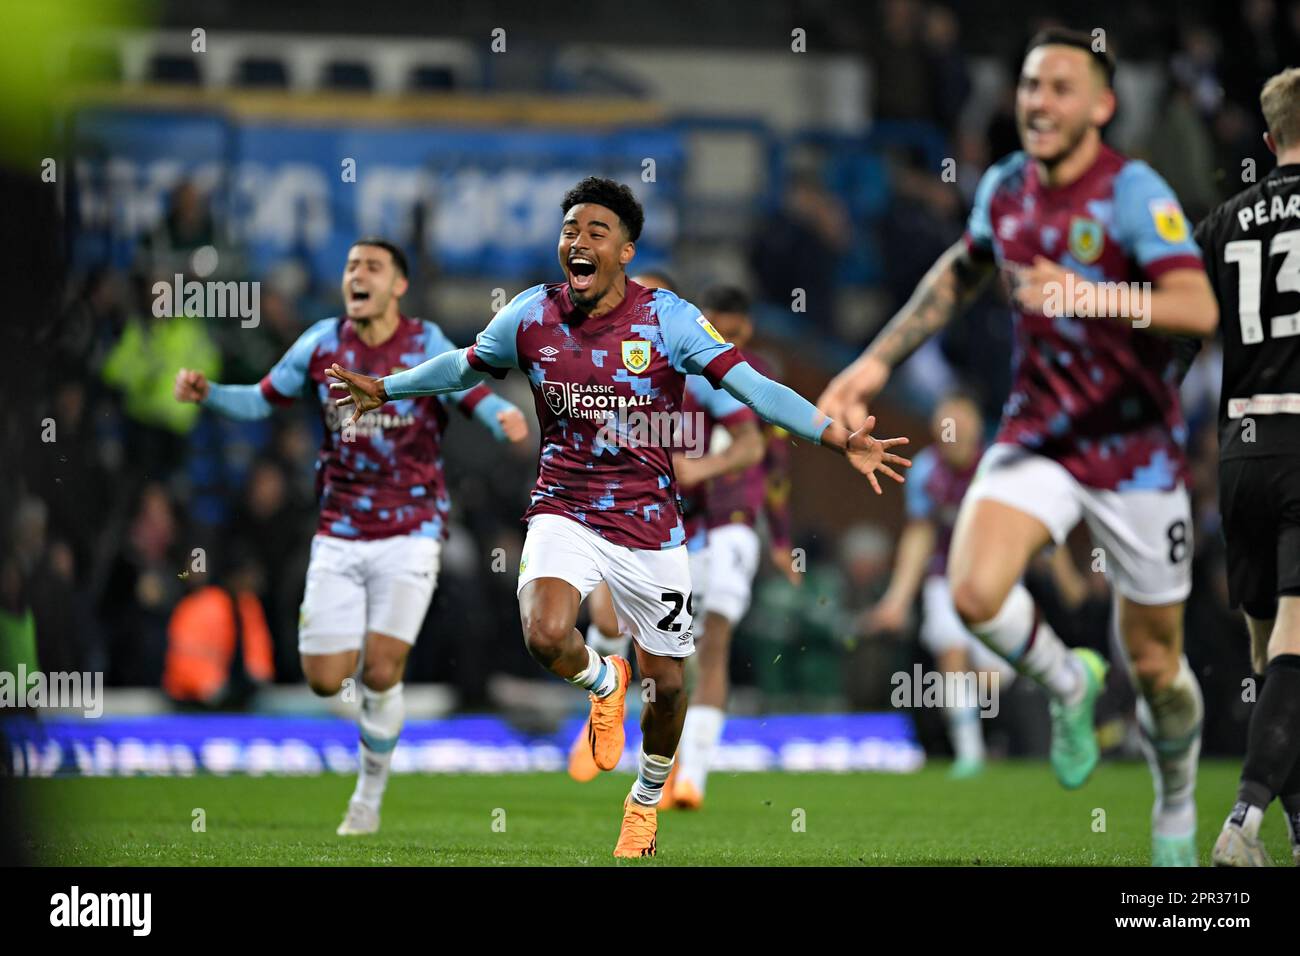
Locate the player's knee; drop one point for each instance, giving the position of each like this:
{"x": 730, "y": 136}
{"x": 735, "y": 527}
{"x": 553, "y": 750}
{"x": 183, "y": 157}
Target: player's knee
{"x": 1155, "y": 664}
{"x": 545, "y": 635}
{"x": 324, "y": 684}
{"x": 975, "y": 601}
{"x": 380, "y": 674}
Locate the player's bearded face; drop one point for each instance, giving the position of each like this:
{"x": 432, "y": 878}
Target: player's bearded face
{"x": 1057, "y": 102}
{"x": 593, "y": 250}
{"x": 370, "y": 281}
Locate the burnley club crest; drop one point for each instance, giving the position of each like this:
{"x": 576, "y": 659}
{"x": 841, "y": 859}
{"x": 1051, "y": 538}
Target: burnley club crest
{"x": 636, "y": 355}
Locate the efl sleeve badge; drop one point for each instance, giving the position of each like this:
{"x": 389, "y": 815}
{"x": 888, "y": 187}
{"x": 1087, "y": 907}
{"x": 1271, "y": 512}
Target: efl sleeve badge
{"x": 1170, "y": 224}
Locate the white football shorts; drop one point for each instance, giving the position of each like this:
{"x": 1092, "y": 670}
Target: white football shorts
{"x": 651, "y": 589}
{"x": 382, "y": 585}
{"x": 1145, "y": 535}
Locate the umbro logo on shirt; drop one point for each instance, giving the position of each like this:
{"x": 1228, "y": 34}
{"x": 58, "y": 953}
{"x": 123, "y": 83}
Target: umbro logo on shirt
{"x": 548, "y": 353}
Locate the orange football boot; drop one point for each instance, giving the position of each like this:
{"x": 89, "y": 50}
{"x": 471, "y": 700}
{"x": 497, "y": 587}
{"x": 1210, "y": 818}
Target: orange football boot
{"x": 605, "y": 725}
{"x": 637, "y": 838}
{"x": 582, "y": 766}
{"x": 686, "y": 796}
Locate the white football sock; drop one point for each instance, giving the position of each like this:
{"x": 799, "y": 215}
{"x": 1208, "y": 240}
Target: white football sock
{"x": 700, "y": 736}
{"x": 1019, "y": 635}
{"x": 1170, "y": 721}
{"x": 652, "y": 771}
{"x": 600, "y": 676}
{"x": 382, "y": 712}
{"x": 605, "y": 646}
{"x": 964, "y": 732}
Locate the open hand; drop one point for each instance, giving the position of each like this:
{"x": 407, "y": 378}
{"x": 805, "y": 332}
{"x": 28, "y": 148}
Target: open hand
{"x": 365, "y": 393}
{"x": 870, "y": 455}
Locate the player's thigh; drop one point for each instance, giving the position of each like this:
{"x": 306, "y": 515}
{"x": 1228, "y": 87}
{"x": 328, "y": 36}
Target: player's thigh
{"x": 562, "y": 563}
{"x": 401, "y": 575}
{"x": 1146, "y": 541}
{"x": 1017, "y": 503}
{"x": 1259, "y": 500}
{"x": 652, "y": 594}
{"x": 734, "y": 551}
{"x": 601, "y": 608}
{"x": 1285, "y": 638}
{"x": 332, "y": 616}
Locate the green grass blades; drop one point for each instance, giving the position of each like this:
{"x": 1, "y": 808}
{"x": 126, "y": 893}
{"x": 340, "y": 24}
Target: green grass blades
{"x": 1013, "y": 815}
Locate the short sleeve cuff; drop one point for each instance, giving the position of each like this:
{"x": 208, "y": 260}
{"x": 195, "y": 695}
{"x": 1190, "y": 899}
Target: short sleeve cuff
{"x": 472, "y": 398}
{"x": 271, "y": 395}
{"x": 720, "y": 365}
{"x": 1158, "y": 267}
{"x": 478, "y": 365}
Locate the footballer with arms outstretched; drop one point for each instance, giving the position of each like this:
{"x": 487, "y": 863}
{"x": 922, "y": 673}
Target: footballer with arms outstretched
{"x": 383, "y": 499}
{"x": 706, "y": 409}
{"x": 1092, "y": 429}
{"x": 1252, "y": 255}
{"x": 596, "y": 348}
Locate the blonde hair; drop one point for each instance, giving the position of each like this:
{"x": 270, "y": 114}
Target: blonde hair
{"x": 1280, "y": 103}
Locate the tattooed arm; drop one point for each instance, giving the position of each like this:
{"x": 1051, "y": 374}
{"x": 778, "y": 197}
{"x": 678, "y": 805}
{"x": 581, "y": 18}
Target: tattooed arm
{"x": 952, "y": 283}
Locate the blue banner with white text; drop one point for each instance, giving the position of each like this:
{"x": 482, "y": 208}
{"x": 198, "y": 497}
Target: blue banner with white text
{"x": 474, "y": 201}
{"x": 183, "y": 744}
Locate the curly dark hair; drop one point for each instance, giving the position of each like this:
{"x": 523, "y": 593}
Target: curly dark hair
{"x": 611, "y": 195}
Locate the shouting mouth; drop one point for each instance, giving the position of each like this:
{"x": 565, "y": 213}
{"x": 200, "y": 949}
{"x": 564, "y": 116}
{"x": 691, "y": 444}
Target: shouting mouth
{"x": 582, "y": 273}
{"x": 1039, "y": 129}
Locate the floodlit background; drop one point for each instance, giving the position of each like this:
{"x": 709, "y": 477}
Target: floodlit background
{"x": 820, "y": 154}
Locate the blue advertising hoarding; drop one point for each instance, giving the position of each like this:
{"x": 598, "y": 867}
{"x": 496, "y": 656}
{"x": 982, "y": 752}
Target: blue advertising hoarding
{"x": 486, "y": 200}
{"x": 183, "y": 744}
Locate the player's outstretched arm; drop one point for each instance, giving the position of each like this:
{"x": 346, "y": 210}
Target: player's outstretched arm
{"x": 952, "y": 283}
{"x": 448, "y": 372}
{"x": 783, "y": 406}
{"x": 243, "y": 402}
{"x": 866, "y": 453}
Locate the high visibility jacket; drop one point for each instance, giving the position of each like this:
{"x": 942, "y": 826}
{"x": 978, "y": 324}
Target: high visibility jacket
{"x": 201, "y": 638}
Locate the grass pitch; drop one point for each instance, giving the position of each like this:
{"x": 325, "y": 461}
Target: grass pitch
{"x": 1013, "y": 815}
